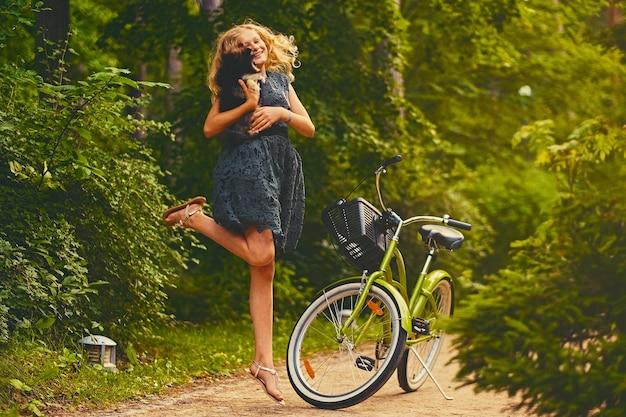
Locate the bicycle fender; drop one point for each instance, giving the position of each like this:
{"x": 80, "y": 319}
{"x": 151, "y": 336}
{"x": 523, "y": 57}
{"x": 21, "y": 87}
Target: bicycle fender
{"x": 434, "y": 277}
{"x": 339, "y": 282}
{"x": 404, "y": 308}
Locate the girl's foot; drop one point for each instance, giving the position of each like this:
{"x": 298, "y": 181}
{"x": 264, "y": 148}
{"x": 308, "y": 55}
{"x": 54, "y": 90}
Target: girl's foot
{"x": 178, "y": 215}
{"x": 256, "y": 370}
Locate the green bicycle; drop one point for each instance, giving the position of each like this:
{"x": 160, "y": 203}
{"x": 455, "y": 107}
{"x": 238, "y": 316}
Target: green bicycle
{"x": 359, "y": 330}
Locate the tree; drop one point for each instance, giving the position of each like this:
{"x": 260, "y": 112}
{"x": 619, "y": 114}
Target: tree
{"x": 543, "y": 321}
{"x": 500, "y": 66}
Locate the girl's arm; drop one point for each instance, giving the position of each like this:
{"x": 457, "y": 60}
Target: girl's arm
{"x": 217, "y": 121}
{"x": 300, "y": 120}
{"x": 264, "y": 117}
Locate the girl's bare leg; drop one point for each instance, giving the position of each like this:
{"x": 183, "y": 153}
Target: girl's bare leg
{"x": 256, "y": 248}
{"x": 261, "y": 311}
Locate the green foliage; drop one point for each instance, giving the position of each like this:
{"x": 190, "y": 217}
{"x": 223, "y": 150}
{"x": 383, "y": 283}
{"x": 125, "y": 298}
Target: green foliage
{"x": 501, "y": 66}
{"x": 15, "y": 22}
{"x": 352, "y": 55}
{"x": 45, "y": 279}
{"x": 87, "y": 20}
{"x": 513, "y": 202}
{"x": 81, "y": 198}
{"x": 551, "y": 326}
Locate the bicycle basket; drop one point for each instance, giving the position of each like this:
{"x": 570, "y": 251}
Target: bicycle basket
{"x": 354, "y": 225}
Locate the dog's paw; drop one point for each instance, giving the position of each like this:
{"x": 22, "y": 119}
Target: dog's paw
{"x": 253, "y": 85}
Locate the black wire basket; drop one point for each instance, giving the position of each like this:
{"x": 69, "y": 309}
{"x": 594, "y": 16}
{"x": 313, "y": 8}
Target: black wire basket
{"x": 358, "y": 231}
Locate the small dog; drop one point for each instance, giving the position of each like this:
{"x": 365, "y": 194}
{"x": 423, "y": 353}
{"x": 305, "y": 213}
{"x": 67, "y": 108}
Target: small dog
{"x": 235, "y": 66}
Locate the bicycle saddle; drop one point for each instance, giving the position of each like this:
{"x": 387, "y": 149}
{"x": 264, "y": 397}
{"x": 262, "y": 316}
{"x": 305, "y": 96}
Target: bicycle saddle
{"x": 443, "y": 236}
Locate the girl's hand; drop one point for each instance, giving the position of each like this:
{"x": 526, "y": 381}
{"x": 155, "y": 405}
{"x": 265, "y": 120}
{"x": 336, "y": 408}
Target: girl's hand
{"x": 252, "y": 95}
{"x": 264, "y": 117}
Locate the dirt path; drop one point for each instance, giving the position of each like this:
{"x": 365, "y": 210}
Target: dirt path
{"x": 242, "y": 397}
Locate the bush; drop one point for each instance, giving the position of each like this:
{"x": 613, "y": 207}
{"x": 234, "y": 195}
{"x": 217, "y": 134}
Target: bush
{"x": 82, "y": 246}
{"x": 551, "y": 327}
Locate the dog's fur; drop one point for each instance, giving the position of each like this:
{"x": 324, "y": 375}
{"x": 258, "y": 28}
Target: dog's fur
{"x": 235, "y": 66}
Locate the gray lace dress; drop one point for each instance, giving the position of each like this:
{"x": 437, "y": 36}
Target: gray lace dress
{"x": 260, "y": 182}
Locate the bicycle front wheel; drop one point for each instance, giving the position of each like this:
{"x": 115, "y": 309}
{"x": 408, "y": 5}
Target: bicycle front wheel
{"x": 411, "y": 373}
{"x": 332, "y": 369}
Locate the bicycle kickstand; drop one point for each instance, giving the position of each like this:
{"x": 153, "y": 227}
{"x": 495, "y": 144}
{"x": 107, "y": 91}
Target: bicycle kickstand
{"x": 430, "y": 374}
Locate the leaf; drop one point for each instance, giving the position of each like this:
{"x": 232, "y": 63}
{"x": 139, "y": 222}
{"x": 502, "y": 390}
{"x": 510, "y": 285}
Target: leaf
{"x": 131, "y": 354}
{"x": 19, "y": 385}
{"x": 7, "y": 126}
{"x": 82, "y": 173}
{"x": 79, "y": 158}
{"x": 83, "y": 133}
{"x": 48, "y": 374}
{"x": 45, "y": 323}
{"x": 128, "y": 82}
{"x": 33, "y": 407}
{"x": 98, "y": 172}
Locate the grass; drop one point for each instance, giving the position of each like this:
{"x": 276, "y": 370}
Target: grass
{"x": 37, "y": 377}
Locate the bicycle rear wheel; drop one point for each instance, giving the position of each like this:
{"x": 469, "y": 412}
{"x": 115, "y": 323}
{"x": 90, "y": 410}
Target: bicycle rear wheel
{"x": 411, "y": 373}
{"x": 331, "y": 370}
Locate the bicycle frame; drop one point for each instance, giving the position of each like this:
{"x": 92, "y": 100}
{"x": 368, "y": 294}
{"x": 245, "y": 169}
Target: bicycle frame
{"x": 421, "y": 294}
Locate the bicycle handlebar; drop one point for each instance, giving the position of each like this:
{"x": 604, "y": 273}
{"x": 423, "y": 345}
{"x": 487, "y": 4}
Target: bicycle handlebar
{"x": 390, "y": 161}
{"x": 457, "y": 223}
{"x": 395, "y": 159}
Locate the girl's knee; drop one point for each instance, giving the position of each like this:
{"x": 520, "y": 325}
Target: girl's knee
{"x": 262, "y": 258}
{"x": 261, "y": 245}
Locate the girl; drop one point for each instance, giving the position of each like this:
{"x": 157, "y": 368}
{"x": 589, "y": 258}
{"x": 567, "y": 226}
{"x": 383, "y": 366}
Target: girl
{"x": 258, "y": 190}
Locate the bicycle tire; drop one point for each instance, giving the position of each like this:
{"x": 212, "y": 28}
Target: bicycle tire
{"x": 411, "y": 373}
{"x": 331, "y": 371}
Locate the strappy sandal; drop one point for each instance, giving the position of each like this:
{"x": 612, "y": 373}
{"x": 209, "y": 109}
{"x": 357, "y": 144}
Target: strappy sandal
{"x": 181, "y": 222}
{"x": 255, "y": 375}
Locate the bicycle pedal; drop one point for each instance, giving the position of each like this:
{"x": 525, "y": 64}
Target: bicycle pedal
{"x": 421, "y": 326}
{"x": 365, "y": 363}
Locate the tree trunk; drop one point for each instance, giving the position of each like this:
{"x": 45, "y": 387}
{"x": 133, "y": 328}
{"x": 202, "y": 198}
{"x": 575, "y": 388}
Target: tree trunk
{"x": 174, "y": 72}
{"x": 614, "y": 15}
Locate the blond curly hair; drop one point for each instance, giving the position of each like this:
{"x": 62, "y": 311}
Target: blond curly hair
{"x": 282, "y": 52}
